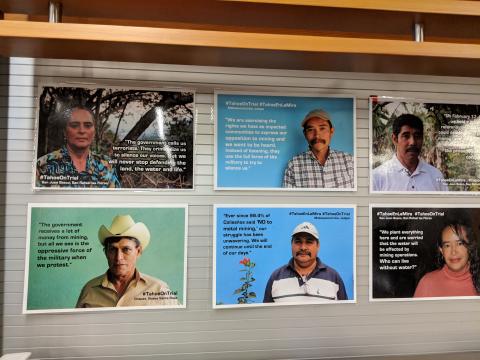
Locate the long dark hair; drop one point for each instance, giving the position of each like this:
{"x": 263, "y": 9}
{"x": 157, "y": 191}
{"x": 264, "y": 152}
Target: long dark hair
{"x": 470, "y": 240}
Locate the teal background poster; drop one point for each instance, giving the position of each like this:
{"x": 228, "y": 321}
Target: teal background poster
{"x": 65, "y": 253}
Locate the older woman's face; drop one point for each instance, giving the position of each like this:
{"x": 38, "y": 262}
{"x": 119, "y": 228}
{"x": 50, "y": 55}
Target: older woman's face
{"x": 454, "y": 249}
{"x": 80, "y": 130}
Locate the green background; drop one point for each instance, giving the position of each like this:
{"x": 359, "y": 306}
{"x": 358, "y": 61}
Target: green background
{"x": 58, "y": 288}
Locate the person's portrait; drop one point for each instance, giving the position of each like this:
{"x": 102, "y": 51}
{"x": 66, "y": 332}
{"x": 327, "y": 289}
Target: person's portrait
{"x": 423, "y": 146}
{"x": 75, "y": 163}
{"x": 113, "y": 138}
{"x": 424, "y": 252}
{"x": 105, "y": 257}
{"x": 124, "y": 241}
{"x": 457, "y": 272}
{"x": 305, "y": 278}
{"x": 406, "y": 170}
{"x": 320, "y": 166}
{"x": 296, "y": 255}
{"x": 284, "y": 142}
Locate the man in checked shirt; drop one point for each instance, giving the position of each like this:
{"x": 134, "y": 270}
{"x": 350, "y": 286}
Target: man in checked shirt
{"x": 320, "y": 166}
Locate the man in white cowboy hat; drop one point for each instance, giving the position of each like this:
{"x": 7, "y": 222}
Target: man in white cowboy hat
{"x": 320, "y": 166}
{"x": 123, "y": 284}
{"x": 305, "y": 279}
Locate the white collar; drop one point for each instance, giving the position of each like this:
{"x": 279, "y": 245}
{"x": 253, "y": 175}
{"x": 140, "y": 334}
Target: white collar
{"x": 398, "y": 166}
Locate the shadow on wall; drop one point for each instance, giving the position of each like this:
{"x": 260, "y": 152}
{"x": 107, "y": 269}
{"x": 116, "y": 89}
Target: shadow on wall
{"x": 4, "y": 72}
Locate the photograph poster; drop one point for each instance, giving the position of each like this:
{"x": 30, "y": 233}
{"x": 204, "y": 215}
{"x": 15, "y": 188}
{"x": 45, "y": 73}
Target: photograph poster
{"x": 104, "y": 257}
{"x": 268, "y": 255}
{"x": 114, "y": 138}
{"x": 424, "y": 146}
{"x": 284, "y": 142}
{"x": 424, "y": 252}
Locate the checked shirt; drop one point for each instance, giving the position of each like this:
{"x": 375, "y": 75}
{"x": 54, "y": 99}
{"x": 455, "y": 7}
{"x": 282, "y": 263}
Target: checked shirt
{"x": 304, "y": 171}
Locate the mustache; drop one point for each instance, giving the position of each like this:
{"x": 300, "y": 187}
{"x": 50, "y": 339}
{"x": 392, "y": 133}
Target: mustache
{"x": 303, "y": 253}
{"x": 317, "y": 141}
{"x": 413, "y": 149}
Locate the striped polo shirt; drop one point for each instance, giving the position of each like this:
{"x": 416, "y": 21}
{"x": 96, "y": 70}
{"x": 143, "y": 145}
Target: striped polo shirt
{"x": 324, "y": 284}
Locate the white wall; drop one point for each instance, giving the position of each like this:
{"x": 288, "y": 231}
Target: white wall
{"x": 341, "y": 330}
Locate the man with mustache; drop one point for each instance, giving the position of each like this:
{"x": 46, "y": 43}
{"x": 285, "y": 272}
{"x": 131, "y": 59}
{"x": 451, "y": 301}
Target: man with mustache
{"x": 405, "y": 171}
{"x": 122, "y": 284}
{"x": 320, "y": 166}
{"x": 305, "y": 279}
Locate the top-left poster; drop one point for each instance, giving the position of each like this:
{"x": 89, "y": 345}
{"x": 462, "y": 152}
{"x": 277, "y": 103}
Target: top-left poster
{"x": 114, "y": 138}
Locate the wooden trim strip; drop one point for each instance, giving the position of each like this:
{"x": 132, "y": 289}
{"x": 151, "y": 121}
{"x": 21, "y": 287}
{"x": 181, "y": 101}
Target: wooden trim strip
{"x": 450, "y": 7}
{"x": 229, "y": 39}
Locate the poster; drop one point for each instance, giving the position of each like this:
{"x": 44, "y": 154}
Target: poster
{"x": 424, "y": 252}
{"x": 444, "y": 157}
{"x": 253, "y": 245}
{"x": 260, "y": 143}
{"x": 69, "y": 251}
{"x": 113, "y": 138}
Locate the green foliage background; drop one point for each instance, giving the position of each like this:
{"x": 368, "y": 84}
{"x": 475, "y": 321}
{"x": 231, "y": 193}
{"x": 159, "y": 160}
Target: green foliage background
{"x": 453, "y": 165}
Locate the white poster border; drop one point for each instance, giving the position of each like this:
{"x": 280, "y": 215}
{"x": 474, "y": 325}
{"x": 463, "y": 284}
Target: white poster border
{"x": 30, "y": 206}
{"x": 286, "y": 206}
{"x": 370, "y": 141}
{"x": 110, "y": 84}
{"x": 370, "y": 267}
{"x": 275, "y": 189}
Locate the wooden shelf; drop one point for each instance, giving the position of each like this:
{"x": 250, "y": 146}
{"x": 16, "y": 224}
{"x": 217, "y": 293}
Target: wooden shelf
{"x": 143, "y": 8}
{"x": 316, "y": 35}
{"x": 229, "y": 39}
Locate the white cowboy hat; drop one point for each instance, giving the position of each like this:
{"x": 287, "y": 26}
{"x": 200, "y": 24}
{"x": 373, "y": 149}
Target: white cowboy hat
{"x": 123, "y": 226}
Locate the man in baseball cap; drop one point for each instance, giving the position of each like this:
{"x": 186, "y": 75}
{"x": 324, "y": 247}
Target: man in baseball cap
{"x": 320, "y": 166}
{"x": 305, "y": 279}
{"x": 123, "y": 285}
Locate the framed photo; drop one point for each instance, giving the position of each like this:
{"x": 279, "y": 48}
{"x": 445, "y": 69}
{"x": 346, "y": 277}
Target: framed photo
{"x": 112, "y": 138}
{"x": 267, "y": 141}
{"x": 424, "y": 146}
{"x": 271, "y": 255}
{"x": 424, "y": 252}
{"x": 105, "y": 257}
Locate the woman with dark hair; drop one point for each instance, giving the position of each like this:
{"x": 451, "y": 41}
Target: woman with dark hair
{"x": 458, "y": 264}
{"x": 75, "y": 165}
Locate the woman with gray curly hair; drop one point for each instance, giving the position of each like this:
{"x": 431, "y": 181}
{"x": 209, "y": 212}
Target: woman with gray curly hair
{"x": 74, "y": 164}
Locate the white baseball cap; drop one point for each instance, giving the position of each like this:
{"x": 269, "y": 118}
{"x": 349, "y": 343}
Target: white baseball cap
{"x": 308, "y": 228}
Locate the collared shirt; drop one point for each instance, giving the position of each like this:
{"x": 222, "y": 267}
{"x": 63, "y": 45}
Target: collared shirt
{"x": 324, "y": 284}
{"x": 304, "y": 171}
{"x": 56, "y": 169}
{"x": 393, "y": 176}
{"x": 143, "y": 290}
{"x": 445, "y": 282}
